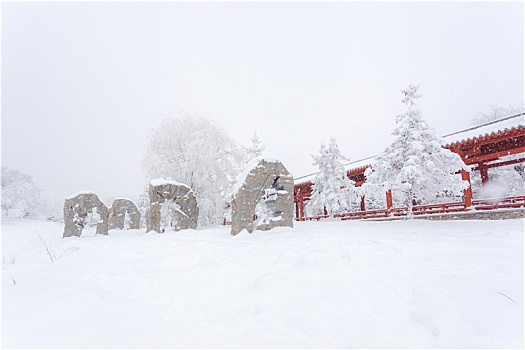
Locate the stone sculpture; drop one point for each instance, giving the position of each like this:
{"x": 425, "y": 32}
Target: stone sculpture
{"x": 117, "y": 214}
{"x": 76, "y": 209}
{"x": 262, "y": 197}
{"x": 160, "y": 191}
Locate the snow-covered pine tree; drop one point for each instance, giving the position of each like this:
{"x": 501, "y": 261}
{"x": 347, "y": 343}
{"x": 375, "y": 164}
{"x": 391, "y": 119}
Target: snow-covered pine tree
{"x": 256, "y": 148}
{"x": 415, "y": 164}
{"x": 332, "y": 189}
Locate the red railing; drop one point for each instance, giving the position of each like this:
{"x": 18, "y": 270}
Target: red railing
{"x": 427, "y": 209}
{"x": 310, "y": 218}
{"x": 499, "y": 203}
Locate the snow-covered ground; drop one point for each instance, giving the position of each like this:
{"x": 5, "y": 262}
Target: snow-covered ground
{"x": 328, "y": 284}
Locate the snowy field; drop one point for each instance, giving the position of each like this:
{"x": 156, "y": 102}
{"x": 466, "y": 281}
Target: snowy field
{"x": 328, "y": 284}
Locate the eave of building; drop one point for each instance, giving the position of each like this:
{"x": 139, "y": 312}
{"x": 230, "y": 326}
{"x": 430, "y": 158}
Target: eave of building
{"x": 496, "y": 139}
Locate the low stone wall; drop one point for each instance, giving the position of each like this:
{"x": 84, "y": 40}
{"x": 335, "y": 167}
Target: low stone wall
{"x": 497, "y": 214}
{"x": 479, "y": 215}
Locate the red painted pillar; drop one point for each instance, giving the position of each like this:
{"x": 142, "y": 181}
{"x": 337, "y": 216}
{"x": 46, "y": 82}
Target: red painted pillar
{"x": 484, "y": 174}
{"x": 363, "y": 208}
{"x": 465, "y": 175}
{"x": 301, "y": 207}
{"x": 389, "y": 200}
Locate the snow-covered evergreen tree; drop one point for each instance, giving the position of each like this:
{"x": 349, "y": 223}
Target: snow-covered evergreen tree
{"x": 415, "y": 164}
{"x": 332, "y": 189}
{"x": 256, "y": 148}
{"x": 195, "y": 151}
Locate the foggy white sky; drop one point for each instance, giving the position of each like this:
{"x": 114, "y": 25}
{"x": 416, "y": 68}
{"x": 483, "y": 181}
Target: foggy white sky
{"x": 83, "y": 83}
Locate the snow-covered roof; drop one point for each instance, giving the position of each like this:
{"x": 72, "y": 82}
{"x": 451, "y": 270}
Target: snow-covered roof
{"x": 502, "y": 124}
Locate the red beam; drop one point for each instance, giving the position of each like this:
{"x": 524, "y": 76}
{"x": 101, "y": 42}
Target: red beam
{"x": 493, "y": 156}
{"x": 496, "y": 165}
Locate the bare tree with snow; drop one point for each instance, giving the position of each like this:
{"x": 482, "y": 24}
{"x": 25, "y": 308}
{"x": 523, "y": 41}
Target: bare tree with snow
{"x": 195, "y": 151}
{"x": 415, "y": 164}
{"x": 494, "y": 113}
{"x": 332, "y": 189}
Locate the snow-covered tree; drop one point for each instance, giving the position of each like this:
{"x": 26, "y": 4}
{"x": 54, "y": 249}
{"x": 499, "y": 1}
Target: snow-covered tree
{"x": 415, "y": 164}
{"x": 494, "y": 113}
{"x": 256, "y": 148}
{"x": 143, "y": 205}
{"x": 195, "y": 151}
{"x": 20, "y": 196}
{"x": 332, "y": 189}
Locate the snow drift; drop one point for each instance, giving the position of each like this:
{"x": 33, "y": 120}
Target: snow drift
{"x": 329, "y": 284}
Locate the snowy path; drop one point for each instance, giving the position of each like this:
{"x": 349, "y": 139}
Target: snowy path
{"x": 328, "y": 284}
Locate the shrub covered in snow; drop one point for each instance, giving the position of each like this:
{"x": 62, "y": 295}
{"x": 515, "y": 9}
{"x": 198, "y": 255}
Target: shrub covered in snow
{"x": 20, "y": 196}
{"x": 503, "y": 181}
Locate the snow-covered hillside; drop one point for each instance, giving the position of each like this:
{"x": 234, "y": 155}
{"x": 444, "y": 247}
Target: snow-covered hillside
{"x": 328, "y": 284}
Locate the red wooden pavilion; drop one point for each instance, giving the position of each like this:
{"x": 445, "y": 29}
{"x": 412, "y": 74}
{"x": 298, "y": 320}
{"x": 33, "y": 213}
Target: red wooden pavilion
{"x": 482, "y": 147}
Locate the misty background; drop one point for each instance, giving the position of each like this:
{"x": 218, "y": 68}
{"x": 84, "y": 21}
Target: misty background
{"x": 84, "y": 83}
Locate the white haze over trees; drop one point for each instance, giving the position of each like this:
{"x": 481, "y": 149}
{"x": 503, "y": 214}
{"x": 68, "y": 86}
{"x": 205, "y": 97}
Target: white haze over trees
{"x": 415, "y": 164}
{"x": 195, "y": 151}
{"x": 256, "y": 147}
{"x": 332, "y": 189}
{"x": 494, "y": 113}
{"x": 143, "y": 204}
{"x": 503, "y": 181}
{"x": 20, "y": 196}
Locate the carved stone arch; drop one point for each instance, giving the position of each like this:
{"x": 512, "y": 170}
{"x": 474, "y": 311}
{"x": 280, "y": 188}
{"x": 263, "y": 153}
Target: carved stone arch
{"x": 117, "y": 214}
{"x": 160, "y": 191}
{"x": 260, "y": 176}
{"x": 76, "y": 209}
